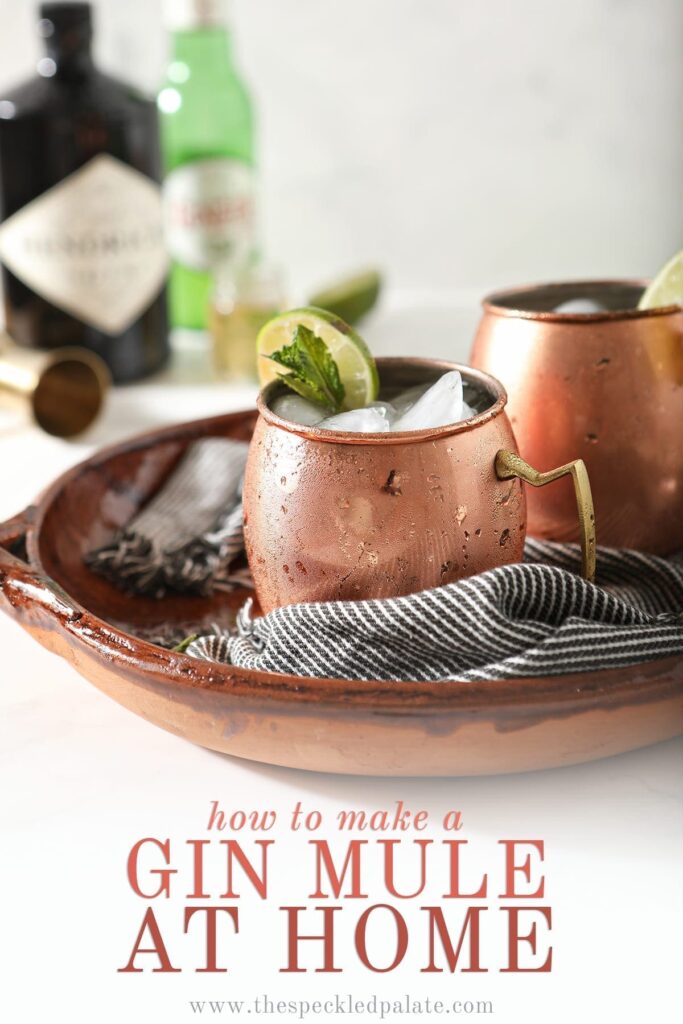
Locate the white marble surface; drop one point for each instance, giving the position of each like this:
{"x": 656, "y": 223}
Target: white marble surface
{"x": 83, "y": 779}
{"x": 480, "y": 143}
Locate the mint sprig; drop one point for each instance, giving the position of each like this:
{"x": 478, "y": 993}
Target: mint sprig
{"x": 313, "y": 373}
{"x": 184, "y": 644}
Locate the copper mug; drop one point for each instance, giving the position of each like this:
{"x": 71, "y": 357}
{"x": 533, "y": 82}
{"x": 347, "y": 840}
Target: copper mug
{"x": 607, "y": 387}
{"x": 332, "y": 515}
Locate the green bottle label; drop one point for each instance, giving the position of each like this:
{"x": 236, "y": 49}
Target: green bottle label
{"x": 209, "y": 212}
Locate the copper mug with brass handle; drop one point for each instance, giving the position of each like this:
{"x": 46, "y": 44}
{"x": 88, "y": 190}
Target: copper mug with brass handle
{"x": 331, "y": 515}
{"x": 606, "y": 386}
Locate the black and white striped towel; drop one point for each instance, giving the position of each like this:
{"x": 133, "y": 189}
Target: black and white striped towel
{"x": 535, "y": 619}
{"x": 186, "y": 538}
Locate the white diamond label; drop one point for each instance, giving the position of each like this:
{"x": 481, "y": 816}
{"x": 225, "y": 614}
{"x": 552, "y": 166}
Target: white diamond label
{"x": 92, "y": 245}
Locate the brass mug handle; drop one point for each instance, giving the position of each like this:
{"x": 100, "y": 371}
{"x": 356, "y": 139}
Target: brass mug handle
{"x": 509, "y": 465}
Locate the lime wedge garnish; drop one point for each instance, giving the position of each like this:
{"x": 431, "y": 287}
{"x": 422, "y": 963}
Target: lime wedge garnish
{"x": 352, "y": 297}
{"x": 354, "y": 360}
{"x": 667, "y": 287}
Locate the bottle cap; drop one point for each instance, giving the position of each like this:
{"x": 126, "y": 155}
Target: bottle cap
{"x": 64, "y": 16}
{"x": 191, "y": 14}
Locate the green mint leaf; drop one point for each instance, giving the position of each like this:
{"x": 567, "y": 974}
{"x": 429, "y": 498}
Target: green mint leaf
{"x": 313, "y": 372}
{"x": 184, "y": 644}
{"x": 307, "y": 390}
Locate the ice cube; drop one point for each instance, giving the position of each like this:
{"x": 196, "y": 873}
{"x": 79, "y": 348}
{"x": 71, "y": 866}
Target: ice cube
{"x": 387, "y": 410}
{"x": 407, "y": 399}
{"x": 360, "y": 421}
{"x": 438, "y": 405}
{"x": 298, "y": 410}
{"x": 414, "y": 409}
{"x": 579, "y": 305}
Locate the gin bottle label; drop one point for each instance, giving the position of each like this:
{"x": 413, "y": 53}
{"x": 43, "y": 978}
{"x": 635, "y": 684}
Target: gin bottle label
{"x": 92, "y": 245}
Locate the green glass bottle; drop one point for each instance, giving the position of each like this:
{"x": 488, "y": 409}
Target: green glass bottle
{"x": 207, "y": 140}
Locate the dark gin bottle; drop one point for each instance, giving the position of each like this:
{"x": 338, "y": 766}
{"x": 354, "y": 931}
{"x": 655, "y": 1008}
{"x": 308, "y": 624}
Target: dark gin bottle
{"x": 81, "y": 238}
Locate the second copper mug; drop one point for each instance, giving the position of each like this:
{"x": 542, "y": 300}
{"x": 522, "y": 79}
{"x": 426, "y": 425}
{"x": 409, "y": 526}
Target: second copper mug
{"x": 332, "y": 515}
{"x": 606, "y": 386}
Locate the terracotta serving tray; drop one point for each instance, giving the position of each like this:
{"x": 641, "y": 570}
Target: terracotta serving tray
{"x": 370, "y": 728}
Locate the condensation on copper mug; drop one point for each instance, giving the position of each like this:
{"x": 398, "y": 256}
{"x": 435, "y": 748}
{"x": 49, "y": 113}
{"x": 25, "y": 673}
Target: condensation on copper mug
{"x": 604, "y": 386}
{"x": 336, "y": 515}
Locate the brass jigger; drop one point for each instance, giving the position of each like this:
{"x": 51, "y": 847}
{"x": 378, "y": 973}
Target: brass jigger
{"x": 64, "y": 389}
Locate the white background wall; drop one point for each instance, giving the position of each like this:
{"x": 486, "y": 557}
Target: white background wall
{"x": 459, "y": 144}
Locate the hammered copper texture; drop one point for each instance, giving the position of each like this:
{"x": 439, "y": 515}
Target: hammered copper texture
{"x": 607, "y": 388}
{"x": 347, "y": 516}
